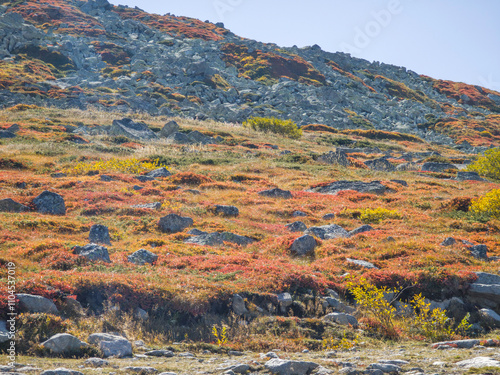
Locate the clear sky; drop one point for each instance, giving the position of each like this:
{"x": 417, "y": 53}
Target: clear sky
{"x": 448, "y": 39}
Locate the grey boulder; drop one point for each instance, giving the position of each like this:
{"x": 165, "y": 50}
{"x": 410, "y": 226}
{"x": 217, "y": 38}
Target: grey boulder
{"x": 468, "y": 176}
{"x": 168, "y": 129}
{"x": 276, "y": 193}
{"x": 489, "y": 318}
{"x": 361, "y": 229}
{"x": 437, "y": 167}
{"x": 99, "y": 234}
{"x": 303, "y": 246}
{"x": 131, "y": 129}
{"x": 64, "y": 343}
{"x": 174, "y": 223}
{"x": 337, "y": 157}
{"x": 362, "y": 263}
{"x": 61, "y": 371}
{"x": 374, "y": 187}
{"x": 226, "y": 210}
{"x": 10, "y": 205}
{"x": 218, "y": 239}
{"x": 328, "y": 232}
{"x": 50, "y": 203}
{"x": 36, "y": 304}
{"x": 160, "y": 172}
{"x": 92, "y": 252}
{"x": 342, "y": 319}
{"x": 297, "y": 226}
{"x": 111, "y": 345}
{"x": 381, "y": 164}
{"x": 142, "y": 256}
{"x": 286, "y": 367}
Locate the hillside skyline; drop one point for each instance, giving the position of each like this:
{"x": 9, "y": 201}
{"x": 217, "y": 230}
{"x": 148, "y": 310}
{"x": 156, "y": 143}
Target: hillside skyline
{"x": 460, "y": 34}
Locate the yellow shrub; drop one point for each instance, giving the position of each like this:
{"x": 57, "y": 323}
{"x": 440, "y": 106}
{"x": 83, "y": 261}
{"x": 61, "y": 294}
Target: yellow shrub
{"x": 375, "y": 216}
{"x": 488, "y": 165}
{"x": 133, "y": 166}
{"x": 288, "y": 128}
{"x": 489, "y": 204}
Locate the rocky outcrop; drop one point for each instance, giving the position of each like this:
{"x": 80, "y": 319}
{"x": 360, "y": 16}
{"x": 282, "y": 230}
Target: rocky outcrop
{"x": 131, "y": 129}
{"x": 374, "y": 187}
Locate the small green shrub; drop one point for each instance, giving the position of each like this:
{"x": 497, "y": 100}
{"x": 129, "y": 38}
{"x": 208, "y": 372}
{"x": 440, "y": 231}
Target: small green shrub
{"x": 375, "y": 216}
{"x": 488, "y": 165}
{"x": 488, "y": 205}
{"x": 288, "y": 128}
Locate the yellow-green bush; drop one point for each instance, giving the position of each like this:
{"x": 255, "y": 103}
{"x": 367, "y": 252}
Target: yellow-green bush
{"x": 288, "y": 128}
{"x": 375, "y": 216}
{"x": 488, "y": 165}
{"x": 488, "y": 205}
{"x": 133, "y": 166}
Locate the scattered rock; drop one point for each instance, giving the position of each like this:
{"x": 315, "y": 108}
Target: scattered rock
{"x": 479, "y": 252}
{"x": 337, "y": 157}
{"x": 141, "y": 314}
{"x": 6, "y": 134}
{"x": 303, "y": 246}
{"x": 142, "y": 256}
{"x": 449, "y": 241}
{"x": 149, "y": 206}
{"x": 374, "y": 187}
{"x": 284, "y": 300}
{"x": 478, "y": 362}
{"x": 276, "y": 193}
{"x": 4, "y": 332}
{"x": 361, "y": 229}
{"x": 468, "y": 176}
{"x": 50, "y": 203}
{"x": 64, "y": 343}
{"x": 329, "y": 217}
{"x": 141, "y": 370}
{"x": 61, "y": 371}
{"x": 239, "y": 307}
{"x": 160, "y": 172}
{"x": 168, "y": 129}
{"x": 386, "y": 368}
{"x": 297, "y": 226}
{"x": 227, "y": 210}
{"x": 10, "y": 205}
{"x": 92, "y": 252}
{"x": 342, "y": 319}
{"x": 462, "y": 344}
{"x": 381, "y": 164}
{"x": 106, "y": 178}
{"x": 362, "y": 263}
{"x": 36, "y": 304}
{"x": 196, "y": 232}
{"x": 200, "y": 138}
{"x": 218, "y": 239}
{"x": 99, "y": 234}
{"x": 489, "y": 318}
{"x": 437, "y": 167}
{"x": 174, "y": 223}
{"x": 179, "y": 139}
{"x": 144, "y": 178}
{"x": 338, "y": 305}
{"x": 299, "y": 214}
{"x": 131, "y": 129}
{"x": 96, "y": 362}
{"x": 408, "y": 167}
{"x": 327, "y": 232}
{"x": 286, "y": 367}
{"x": 111, "y": 345}
{"x": 160, "y": 353}
{"x": 400, "y": 182}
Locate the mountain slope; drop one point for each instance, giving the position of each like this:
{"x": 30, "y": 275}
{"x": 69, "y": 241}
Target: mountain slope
{"x": 91, "y": 54}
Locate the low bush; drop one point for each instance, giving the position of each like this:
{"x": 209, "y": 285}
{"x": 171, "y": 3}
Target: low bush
{"x": 488, "y": 205}
{"x": 488, "y": 165}
{"x": 288, "y": 128}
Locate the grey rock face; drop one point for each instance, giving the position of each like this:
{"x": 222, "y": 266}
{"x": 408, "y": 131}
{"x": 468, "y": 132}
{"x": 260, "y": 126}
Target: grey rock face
{"x": 64, "y": 343}
{"x": 131, "y": 129}
{"x": 36, "y": 304}
{"x": 276, "y": 193}
{"x": 218, "y": 239}
{"x": 50, "y": 203}
{"x": 337, "y": 157}
{"x": 374, "y": 187}
{"x": 381, "y": 164}
{"x": 99, "y": 234}
{"x": 469, "y": 176}
{"x": 487, "y": 278}
{"x": 361, "y": 229}
{"x": 168, "y": 129}
{"x": 111, "y": 345}
{"x": 142, "y": 256}
{"x": 174, "y": 223}
{"x": 303, "y": 246}
{"x": 239, "y": 307}
{"x": 479, "y": 252}
{"x": 160, "y": 172}
{"x": 10, "y": 205}
{"x": 285, "y": 367}
{"x": 227, "y": 210}
{"x": 92, "y": 252}
{"x": 297, "y": 226}
{"x": 437, "y": 167}
{"x": 342, "y": 319}
{"x": 361, "y": 263}
{"x": 328, "y": 232}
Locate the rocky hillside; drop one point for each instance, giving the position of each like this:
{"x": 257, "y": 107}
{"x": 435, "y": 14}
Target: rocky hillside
{"x": 91, "y": 54}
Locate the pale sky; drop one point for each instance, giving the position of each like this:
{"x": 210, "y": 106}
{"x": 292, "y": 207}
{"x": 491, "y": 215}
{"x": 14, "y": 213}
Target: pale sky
{"x": 457, "y": 40}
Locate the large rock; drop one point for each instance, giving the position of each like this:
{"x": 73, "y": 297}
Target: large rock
{"x": 437, "y": 167}
{"x": 226, "y": 210}
{"x": 10, "y": 205}
{"x": 362, "y": 229}
{"x": 276, "y": 193}
{"x": 50, "y": 203}
{"x": 489, "y": 318}
{"x": 381, "y": 164}
{"x": 131, "y": 129}
{"x": 64, "y": 343}
{"x": 362, "y": 263}
{"x": 239, "y": 307}
{"x": 92, "y": 252}
{"x": 337, "y": 157}
{"x": 461, "y": 344}
{"x": 303, "y": 246}
{"x": 286, "y": 367}
{"x": 174, "y": 223}
{"x": 61, "y": 371}
{"x": 297, "y": 226}
{"x": 338, "y": 305}
{"x": 218, "y": 239}
{"x": 485, "y": 291}
{"x": 99, "y": 234}
{"x": 479, "y": 252}
{"x": 468, "y": 176}
{"x": 111, "y": 345}
{"x": 142, "y": 256}
{"x": 36, "y": 304}
{"x": 328, "y": 232}
{"x": 143, "y": 370}
{"x": 386, "y": 368}
{"x": 199, "y": 138}
{"x": 478, "y": 362}
{"x": 6, "y": 134}
{"x": 179, "y": 139}
{"x": 374, "y": 187}
{"x": 168, "y": 129}
{"x": 160, "y": 172}
{"x": 342, "y": 319}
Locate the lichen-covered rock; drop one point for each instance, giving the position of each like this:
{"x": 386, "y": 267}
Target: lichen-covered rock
{"x": 111, "y": 345}
{"x": 92, "y": 252}
{"x": 303, "y": 246}
{"x": 36, "y": 304}
{"x": 50, "y": 203}
{"x": 10, "y": 205}
{"x": 328, "y": 232}
{"x": 142, "y": 256}
{"x": 276, "y": 193}
{"x": 64, "y": 343}
{"x": 131, "y": 129}
{"x": 374, "y": 187}
{"x": 99, "y": 234}
{"x": 174, "y": 223}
